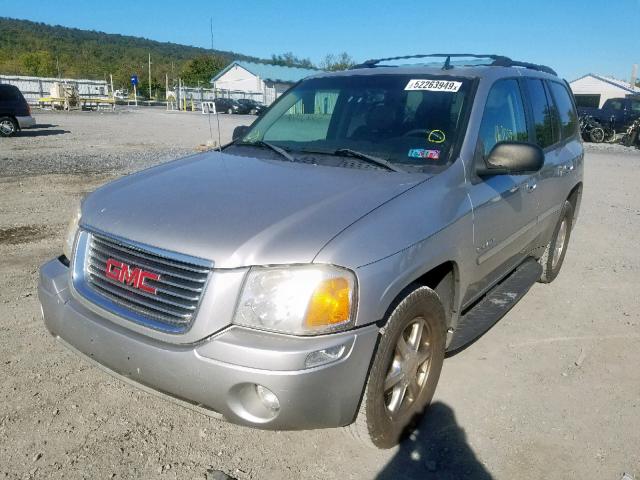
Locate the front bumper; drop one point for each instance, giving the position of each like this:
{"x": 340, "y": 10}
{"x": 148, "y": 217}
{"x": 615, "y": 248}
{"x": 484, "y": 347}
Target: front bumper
{"x": 26, "y": 122}
{"x": 219, "y": 373}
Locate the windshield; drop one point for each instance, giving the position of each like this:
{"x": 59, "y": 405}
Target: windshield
{"x": 407, "y": 120}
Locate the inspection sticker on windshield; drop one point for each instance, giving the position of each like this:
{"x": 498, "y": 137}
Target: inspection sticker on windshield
{"x": 434, "y": 85}
{"x": 423, "y": 153}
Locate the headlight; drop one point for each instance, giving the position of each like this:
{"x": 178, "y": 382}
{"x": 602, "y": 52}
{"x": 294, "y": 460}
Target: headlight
{"x": 300, "y": 300}
{"x": 72, "y": 229}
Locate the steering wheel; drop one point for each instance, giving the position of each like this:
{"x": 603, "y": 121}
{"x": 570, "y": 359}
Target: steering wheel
{"x": 433, "y": 136}
{"x": 416, "y": 131}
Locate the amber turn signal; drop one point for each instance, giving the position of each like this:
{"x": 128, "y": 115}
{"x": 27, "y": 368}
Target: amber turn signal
{"x": 330, "y": 303}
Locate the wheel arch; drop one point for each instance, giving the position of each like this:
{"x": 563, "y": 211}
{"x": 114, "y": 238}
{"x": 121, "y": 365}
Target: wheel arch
{"x": 444, "y": 279}
{"x": 575, "y": 198}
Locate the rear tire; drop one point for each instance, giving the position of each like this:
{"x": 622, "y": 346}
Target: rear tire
{"x": 553, "y": 256}
{"x": 405, "y": 370}
{"x": 8, "y": 127}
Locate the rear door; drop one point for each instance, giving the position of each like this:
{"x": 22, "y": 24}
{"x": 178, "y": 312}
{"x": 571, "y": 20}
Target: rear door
{"x": 570, "y": 151}
{"x": 505, "y": 212}
{"x": 546, "y": 133}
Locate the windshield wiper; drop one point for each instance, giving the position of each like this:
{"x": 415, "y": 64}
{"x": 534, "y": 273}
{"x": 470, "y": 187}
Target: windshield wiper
{"x": 279, "y": 150}
{"x": 381, "y": 162}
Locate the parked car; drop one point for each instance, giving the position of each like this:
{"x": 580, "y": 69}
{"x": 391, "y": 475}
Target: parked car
{"x": 314, "y": 273}
{"x": 227, "y": 105}
{"x": 251, "y": 106}
{"x": 15, "y": 113}
{"x": 616, "y": 113}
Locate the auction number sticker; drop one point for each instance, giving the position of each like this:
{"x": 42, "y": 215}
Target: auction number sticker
{"x": 434, "y": 85}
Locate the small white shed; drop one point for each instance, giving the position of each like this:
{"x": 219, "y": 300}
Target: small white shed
{"x": 593, "y": 90}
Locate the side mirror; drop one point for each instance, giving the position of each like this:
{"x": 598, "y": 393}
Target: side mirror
{"x": 239, "y": 132}
{"x": 512, "y": 158}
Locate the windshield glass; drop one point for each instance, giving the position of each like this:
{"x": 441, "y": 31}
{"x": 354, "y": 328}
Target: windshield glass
{"x": 408, "y": 120}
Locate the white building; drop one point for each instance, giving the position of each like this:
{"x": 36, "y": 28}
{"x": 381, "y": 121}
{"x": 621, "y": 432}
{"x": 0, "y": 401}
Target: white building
{"x": 261, "y": 81}
{"x": 593, "y": 90}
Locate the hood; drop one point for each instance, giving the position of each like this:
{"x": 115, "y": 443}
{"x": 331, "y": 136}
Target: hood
{"x": 239, "y": 211}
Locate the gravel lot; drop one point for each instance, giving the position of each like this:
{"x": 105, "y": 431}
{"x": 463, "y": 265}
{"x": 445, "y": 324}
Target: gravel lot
{"x": 552, "y": 391}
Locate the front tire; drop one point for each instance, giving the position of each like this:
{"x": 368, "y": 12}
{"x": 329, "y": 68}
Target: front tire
{"x": 597, "y": 135}
{"x": 553, "y": 256}
{"x": 405, "y": 370}
{"x": 8, "y": 127}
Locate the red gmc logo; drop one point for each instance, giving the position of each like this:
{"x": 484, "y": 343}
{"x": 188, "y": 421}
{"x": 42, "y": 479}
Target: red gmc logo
{"x": 135, "y": 277}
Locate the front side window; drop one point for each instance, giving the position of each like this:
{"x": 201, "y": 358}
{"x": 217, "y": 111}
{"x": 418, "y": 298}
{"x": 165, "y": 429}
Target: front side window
{"x": 615, "y": 105}
{"x": 565, "y": 110}
{"x": 412, "y": 121}
{"x": 503, "y": 119}
{"x": 635, "y": 106}
{"x": 542, "y": 114}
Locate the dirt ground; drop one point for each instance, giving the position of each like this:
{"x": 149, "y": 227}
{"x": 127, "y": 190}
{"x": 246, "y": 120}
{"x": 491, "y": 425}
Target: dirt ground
{"x": 552, "y": 391}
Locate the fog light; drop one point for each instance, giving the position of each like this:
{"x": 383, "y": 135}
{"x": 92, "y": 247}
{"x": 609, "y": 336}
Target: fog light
{"x": 268, "y": 398}
{"x": 324, "y": 356}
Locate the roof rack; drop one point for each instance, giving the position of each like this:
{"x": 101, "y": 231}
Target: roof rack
{"x": 496, "y": 61}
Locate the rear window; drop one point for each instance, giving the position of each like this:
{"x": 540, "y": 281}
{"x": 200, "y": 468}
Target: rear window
{"x": 564, "y": 106}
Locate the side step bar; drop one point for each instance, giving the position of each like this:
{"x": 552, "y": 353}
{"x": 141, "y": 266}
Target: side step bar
{"x": 495, "y": 304}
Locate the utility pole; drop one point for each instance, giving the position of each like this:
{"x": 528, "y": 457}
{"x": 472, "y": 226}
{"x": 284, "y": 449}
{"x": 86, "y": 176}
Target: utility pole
{"x": 211, "y": 30}
{"x": 634, "y": 76}
{"x": 149, "y": 76}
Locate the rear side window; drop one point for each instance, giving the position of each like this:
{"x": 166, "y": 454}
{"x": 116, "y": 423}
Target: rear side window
{"x": 566, "y": 113}
{"x": 9, "y": 93}
{"x": 542, "y": 114}
{"x": 503, "y": 119}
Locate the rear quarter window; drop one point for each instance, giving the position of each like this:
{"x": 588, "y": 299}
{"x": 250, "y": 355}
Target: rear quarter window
{"x": 565, "y": 110}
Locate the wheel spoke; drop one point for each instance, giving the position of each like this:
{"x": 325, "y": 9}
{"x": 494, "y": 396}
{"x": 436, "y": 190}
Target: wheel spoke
{"x": 396, "y": 399}
{"x": 416, "y": 335}
{"x": 403, "y": 348}
{"x": 393, "y": 379}
{"x": 413, "y": 389}
{"x": 423, "y": 355}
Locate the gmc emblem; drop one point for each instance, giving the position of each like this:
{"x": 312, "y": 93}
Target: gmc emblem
{"x": 135, "y": 277}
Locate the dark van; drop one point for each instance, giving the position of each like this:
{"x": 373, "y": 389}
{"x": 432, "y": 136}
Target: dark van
{"x": 15, "y": 113}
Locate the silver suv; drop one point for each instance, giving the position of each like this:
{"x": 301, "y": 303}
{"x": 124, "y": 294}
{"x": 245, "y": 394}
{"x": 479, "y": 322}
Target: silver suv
{"x": 315, "y": 271}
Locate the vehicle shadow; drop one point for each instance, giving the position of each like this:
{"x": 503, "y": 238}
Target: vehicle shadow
{"x": 437, "y": 449}
{"x": 31, "y": 132}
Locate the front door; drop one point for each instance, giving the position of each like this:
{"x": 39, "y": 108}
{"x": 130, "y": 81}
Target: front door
{"x": 505, "y": 207}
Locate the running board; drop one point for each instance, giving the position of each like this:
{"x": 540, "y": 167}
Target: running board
{"x": 495, "y": 304}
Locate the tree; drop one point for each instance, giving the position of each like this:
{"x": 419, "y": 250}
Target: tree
{"x": 288, "y": 59}
{"x": 201, "y": 69}
{"x": 334, "y": 63}
{"x": 39, "y": 64}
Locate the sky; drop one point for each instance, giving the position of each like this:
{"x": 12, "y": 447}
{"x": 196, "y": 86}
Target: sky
{"x": 574, "y": 37}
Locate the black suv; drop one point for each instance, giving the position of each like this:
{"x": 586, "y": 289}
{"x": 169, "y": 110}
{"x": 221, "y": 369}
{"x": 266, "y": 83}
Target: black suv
{"x": 15, "y": 113}
{"x": 227, "y": 105}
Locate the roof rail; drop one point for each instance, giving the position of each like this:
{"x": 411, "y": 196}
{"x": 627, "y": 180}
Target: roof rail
{"x": 496, "y": 61}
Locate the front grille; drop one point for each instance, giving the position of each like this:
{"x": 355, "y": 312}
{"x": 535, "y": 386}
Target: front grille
{"x": 178, "y": 288}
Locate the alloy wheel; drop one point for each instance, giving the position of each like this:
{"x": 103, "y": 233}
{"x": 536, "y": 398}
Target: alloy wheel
{"x": 7, "y": 127}
{"x": 409, "y": 367}
{"x": 559, "y": 244}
